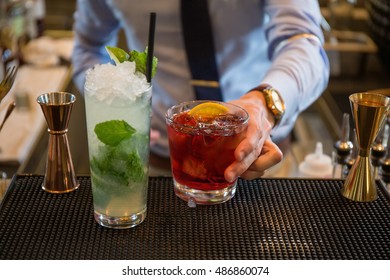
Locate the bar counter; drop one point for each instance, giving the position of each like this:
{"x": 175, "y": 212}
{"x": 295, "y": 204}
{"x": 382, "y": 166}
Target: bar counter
{"x": 267, "y": 219}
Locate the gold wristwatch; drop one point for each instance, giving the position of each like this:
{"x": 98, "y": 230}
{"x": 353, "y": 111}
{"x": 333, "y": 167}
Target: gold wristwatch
{"x": 274, "y": 101}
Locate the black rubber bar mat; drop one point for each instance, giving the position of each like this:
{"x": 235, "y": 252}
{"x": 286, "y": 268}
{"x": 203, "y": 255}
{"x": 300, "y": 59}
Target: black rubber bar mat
{"x": 267, "y": 219}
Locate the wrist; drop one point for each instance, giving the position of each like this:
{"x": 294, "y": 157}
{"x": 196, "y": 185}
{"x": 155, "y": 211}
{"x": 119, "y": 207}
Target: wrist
{"x": 273, "y": 101}
{"x": 258, "y": 100}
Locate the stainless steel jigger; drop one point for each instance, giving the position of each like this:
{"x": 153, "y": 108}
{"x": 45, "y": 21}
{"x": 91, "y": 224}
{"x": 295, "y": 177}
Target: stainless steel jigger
{"x": 59, "y": 175}
{"x": 369, "y": 111}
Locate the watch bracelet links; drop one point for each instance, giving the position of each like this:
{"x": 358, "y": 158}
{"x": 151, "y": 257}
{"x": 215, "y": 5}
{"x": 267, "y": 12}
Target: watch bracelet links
{"x": 261, "y": 88}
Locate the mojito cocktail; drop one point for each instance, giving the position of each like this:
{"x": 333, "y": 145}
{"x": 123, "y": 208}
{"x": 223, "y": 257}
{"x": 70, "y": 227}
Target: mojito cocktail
{"x": 202, "y": 139}
{"x": 118, "y": 111}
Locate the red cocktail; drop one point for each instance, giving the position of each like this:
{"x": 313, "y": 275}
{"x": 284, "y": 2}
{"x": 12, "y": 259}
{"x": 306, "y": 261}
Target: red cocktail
{"x": 202, "y": 138}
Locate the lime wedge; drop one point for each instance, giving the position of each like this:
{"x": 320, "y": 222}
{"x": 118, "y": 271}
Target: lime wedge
{"x": 117, "y": 54}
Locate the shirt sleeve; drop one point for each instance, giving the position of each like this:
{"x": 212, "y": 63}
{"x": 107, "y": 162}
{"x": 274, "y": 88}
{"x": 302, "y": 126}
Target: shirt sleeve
{"x": 300, "y": 68}
{"x": 95, "y": 27}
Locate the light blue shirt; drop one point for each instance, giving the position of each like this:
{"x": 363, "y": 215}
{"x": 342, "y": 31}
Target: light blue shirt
{"x": 251, "y": 45}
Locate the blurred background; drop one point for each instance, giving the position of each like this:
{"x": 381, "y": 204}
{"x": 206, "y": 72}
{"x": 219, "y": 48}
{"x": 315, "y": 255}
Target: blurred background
{"x": 37, "y": 35}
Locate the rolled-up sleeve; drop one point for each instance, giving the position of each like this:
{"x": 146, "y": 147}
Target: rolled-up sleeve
{"x": 300, "y": 67}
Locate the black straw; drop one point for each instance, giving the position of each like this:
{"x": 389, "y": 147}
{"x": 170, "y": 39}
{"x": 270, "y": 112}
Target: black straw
{"x": 149, "y": 61}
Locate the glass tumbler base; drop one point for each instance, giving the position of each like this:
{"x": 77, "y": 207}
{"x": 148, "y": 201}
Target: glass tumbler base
{"x": 120, "y": 222}
{"x": 204, "y": 197}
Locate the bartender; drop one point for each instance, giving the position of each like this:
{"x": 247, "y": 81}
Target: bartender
{"x": 268, "y": 58}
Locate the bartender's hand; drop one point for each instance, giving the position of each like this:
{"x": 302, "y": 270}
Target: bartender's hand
{"x": 256, "y": 153}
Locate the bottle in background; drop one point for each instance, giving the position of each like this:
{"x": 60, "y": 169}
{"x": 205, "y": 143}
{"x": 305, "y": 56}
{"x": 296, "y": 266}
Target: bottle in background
{"x": 316, "y": 165}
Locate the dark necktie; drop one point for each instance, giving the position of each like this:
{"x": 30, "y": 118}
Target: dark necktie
{"x": 199, "y": 44}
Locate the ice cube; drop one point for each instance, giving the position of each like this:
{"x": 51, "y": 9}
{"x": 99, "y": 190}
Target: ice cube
{"x": 195, "y": 168}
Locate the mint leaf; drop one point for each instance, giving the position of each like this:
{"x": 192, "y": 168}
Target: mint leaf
{"x": 140, "y": 59}
{"x": 118, "y": 166}
{"x": 135, "y": 170}
{"x": 119, "y": 159}
{"x": 113, "y": 132}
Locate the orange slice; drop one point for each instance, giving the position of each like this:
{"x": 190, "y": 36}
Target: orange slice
{"x": 208, "y": 110}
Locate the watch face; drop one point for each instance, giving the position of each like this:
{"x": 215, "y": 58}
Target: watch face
{"x": 279, "y": 105}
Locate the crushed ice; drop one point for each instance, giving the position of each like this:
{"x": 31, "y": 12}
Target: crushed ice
{"x": 120, "y": 82}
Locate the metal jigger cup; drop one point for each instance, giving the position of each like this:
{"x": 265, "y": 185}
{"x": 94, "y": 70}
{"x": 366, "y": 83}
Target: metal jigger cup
{"x": 369, "y": 110}
{"x": 59, "y": 175}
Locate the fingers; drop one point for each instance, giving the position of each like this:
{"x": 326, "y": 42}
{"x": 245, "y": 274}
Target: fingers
{"x": 251, "y": 146}
{"x": 256, "y": 152}
{"x": 270, "y": 156}
{"x": 246, "y": 153}
{"x": 253, "y": 166}
{"x": 243, "y": 162}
